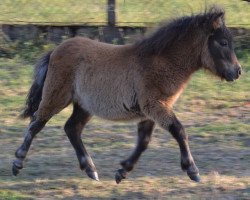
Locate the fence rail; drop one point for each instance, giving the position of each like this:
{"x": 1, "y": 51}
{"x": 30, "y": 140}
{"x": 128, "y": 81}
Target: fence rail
{"x": 124, "y": 12}
{"x": 107, "y": 20}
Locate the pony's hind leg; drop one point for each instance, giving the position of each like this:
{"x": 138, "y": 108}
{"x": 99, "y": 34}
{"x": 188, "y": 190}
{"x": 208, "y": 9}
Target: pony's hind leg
{"x": 41, "y": 117}
{"x": 145, "y": 130}
{"x": 34, "y": 128}
{"x": 45, "y": 111}
{"x": 50, "y": 105}
{"x": 73, "y": 129}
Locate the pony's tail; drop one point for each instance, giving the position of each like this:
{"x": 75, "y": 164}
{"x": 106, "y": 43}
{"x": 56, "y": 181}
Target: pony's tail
{"x": 34, "y": 96}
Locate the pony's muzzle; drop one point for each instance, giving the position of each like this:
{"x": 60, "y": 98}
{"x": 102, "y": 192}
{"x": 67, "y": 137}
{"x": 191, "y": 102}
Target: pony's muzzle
{"x": 232, "y": 75}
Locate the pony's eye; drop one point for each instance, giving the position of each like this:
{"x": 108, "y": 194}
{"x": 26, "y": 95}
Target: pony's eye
{"x": 224, "y": 43}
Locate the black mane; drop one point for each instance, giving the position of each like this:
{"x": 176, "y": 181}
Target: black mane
{"x": 175, "y": 31}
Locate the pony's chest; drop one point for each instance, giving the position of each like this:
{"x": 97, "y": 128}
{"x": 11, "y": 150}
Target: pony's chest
{"x": 173, "y": 98}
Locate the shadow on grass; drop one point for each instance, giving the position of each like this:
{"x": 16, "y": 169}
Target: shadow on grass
{"x": 213, "y": 187}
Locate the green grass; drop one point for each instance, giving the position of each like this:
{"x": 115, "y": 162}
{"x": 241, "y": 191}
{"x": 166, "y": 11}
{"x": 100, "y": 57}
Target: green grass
{"x": 10, "y": 195}
{"x": 133, "y": 13}
{"x": 215, "y": 114}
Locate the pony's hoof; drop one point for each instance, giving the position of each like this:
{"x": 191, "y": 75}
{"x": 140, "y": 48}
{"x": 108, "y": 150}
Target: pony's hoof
{"x": 192, "y": 172}
{"x": 119, "y": 175}
{"x": 16, "y": 167}
{"x": 15, "y": 170}
{"x": 92, "y": 175}
{"x": 194, "y": 177}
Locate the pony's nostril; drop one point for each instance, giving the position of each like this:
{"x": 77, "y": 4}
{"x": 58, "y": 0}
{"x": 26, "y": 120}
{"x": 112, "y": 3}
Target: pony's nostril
{"x": 239, "y": 71}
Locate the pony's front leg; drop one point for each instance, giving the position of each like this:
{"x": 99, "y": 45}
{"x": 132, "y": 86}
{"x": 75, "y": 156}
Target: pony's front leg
{"x": 168, "y": 121}
{"x": 145, "y": 130}
{"x": 187, "y": 161}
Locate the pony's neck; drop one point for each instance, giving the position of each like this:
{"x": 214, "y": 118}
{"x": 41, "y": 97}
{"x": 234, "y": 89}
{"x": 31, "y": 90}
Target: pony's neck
{"x": 174, "y": 67}
{"x": 186, "y": 54}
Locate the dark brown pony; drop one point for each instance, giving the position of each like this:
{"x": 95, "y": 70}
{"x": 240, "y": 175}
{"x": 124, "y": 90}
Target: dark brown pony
{"x": 138, "y": 81}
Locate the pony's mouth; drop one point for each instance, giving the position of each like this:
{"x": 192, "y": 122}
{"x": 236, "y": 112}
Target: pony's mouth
{"x": 229, "y": 77}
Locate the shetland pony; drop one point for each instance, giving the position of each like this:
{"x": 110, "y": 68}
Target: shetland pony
{"x": 139, "y": 81}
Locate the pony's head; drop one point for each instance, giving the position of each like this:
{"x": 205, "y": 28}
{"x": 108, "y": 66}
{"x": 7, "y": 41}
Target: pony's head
{"x": 218, "y": 55}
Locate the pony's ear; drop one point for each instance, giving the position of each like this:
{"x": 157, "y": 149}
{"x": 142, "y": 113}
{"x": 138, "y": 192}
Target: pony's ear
{"x": 214, "y": 18}
{"x": 217, "y": 20}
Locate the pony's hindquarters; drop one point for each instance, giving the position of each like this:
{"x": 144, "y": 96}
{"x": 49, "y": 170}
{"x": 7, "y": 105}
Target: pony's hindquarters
{"x": 49, "y": 94}
{"x": 35, "y": 93}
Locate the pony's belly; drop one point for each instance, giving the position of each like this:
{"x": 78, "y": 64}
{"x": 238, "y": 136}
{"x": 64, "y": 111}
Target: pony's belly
{"x": 108, "y": 108}
{"x": 117, "y": 116}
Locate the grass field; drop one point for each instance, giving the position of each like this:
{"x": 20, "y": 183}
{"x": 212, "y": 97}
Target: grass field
{"x": 135, "y": 13}
{"x": 215, "y": 114}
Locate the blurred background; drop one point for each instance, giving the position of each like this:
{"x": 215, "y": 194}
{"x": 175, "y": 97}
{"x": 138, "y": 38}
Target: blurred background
{"x": 216, "y": 114}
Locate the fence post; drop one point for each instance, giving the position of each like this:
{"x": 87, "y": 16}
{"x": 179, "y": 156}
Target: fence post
{"x": 111, "y": 33}
{"x": 111, "y": 13}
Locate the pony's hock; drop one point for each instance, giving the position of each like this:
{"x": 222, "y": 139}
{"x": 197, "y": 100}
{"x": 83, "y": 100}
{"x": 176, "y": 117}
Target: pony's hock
{"x": 139, "y": 81}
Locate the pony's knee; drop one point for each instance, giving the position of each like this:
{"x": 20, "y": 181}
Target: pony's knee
{"x": 177, "y": 130}
{"x": 69, "y": 126}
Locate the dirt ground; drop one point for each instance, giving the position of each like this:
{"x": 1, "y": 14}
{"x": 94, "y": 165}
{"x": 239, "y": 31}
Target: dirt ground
{"x": 219, "y": 140}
